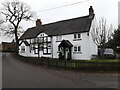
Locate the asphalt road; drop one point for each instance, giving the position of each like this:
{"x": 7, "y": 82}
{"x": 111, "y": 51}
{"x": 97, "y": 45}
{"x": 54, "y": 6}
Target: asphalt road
{"x": 17, "y": 74}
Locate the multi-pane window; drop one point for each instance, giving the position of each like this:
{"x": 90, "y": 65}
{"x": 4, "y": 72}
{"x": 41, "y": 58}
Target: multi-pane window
{"x": 77, "y": 36}
{"x": 77, "y": 48}
{"x": 43, "y": 43}
{"x": 41, "y": 47}
{"x": 22, "y": 49}
{"x": 47, "y": 48}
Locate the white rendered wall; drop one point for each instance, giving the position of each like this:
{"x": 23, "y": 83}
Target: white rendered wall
{"x": 87, "y": 46}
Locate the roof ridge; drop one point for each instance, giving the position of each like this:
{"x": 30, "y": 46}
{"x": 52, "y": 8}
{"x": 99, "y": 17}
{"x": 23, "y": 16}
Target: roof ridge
{"x": 65, "y": 20}
{"x": 59, "y": 21}
{"x": 73, "y": 25}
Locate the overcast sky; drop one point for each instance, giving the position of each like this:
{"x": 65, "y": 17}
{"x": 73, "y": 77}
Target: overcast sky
{"x": 102, "y": 8}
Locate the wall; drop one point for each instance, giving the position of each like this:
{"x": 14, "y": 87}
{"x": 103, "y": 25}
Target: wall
{"x": 87, "y": 46}
{"x": 32, "y": 53}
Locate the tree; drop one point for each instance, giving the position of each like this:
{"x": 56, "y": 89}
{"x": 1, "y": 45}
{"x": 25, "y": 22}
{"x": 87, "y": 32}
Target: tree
{"x": 101, "y": 33}
{"x": 116, "y": 36}
{"x": 115, "y": 41}
{"x": 14, "y": 13}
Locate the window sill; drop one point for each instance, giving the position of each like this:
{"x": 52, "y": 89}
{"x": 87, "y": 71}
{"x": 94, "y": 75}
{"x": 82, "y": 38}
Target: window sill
{"x": 22, "y": 52}
{"x": 58, "y": 41}
{"x": 77, "y": 52}
{"x": 77, "y": 39}
{"x": 47, "y": 53}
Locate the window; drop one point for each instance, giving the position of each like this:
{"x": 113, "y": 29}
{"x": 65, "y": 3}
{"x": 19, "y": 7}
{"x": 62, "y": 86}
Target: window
{"x": 36, "y": 51}
{"x": 41, "y": 47}
{"x": 32, "y": 40}
{"x": 77, "y": 49}
{"x": 49, "y": 45}
{"x": 36, "y": 40}
{"x": 32, "y": 47}
{"x": 22, "y": 49}
{"x": 77, "y": 36}
{"x": 58, "y": 38}
{"x": 42, "y": 35}
{"x": 47, "y": 48}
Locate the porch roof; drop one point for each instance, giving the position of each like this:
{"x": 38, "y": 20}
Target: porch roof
{"x": 65, "y": 43}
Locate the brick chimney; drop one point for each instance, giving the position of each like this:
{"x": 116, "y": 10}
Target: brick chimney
{"x": 38, "y": 22}
{"x": 91, "y": 12}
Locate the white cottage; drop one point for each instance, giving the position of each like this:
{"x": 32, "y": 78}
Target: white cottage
{"x": 69, "y": 39}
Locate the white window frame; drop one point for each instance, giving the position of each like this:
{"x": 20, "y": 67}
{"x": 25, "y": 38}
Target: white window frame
{"x": 76, "y": 49}
{"x": 76, "y": 36}
{"x": 22, "y": 49}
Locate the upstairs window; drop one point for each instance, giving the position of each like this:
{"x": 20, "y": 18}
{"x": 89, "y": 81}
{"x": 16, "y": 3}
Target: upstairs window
{"x": 77, "y": 36}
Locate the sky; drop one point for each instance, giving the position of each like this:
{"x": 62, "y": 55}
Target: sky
{"x": 44, "y": 10}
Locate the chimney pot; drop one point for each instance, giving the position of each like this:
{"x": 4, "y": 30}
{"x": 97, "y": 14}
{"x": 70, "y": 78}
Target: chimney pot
{"x": 38, "y": 22}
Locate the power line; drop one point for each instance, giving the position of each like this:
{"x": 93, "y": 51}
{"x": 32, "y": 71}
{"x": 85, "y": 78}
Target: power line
{"x": 62, "y": 6}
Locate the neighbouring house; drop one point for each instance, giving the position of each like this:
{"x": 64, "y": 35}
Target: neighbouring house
{"x": 7, "y": 46}
{"x": 70, "y": 39}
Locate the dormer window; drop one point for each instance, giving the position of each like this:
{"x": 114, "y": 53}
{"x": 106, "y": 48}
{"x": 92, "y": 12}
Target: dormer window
{"x": 42, "y": 35}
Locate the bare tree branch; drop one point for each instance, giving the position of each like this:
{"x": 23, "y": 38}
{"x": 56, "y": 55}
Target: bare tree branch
{"x": 15, "y": 12}
{"x": 101, "y": 33}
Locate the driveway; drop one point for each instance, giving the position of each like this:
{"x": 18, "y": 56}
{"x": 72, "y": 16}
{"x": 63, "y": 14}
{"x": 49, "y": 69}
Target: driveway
{"x": 17, "y": 74}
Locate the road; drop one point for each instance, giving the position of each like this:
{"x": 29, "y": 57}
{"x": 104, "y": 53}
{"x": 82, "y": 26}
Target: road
{"x": 17, "y": 74}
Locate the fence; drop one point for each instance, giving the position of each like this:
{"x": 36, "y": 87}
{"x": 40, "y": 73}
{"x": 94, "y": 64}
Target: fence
{"x": 72, "y": 64}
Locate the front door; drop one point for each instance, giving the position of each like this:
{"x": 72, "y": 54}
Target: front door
{"x": 66, "y": 52}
